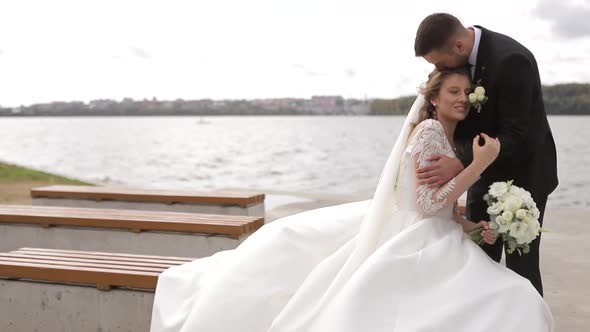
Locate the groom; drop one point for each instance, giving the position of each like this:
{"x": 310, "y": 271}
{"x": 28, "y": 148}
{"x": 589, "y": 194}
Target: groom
{"x": 514, "y": 113}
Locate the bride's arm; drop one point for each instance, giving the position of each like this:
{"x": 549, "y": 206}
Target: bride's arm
{"x": 488, "y": 235}
{"x": 429, "y": 139}
{"x": 467, "y": 225}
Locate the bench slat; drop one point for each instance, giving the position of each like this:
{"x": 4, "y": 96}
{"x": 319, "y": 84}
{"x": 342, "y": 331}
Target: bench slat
{"x": 82, "y": 261}
{"x": 131, "y": 219}
{"x": 104, "y": 274}
{"x": 79, "y": 275}
{"x": 4, "y": 258}
{"x": 134, "y": 214}
{"x": 106, "y": 255}
{"x": 243, "y": 199}
{"x": 122, "y": 260}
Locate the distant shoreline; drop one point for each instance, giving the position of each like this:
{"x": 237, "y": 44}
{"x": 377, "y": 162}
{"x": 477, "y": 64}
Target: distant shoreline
{"x": 560, "y": 99}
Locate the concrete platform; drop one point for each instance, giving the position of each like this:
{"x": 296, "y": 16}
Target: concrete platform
{"x": 565, "y": 267}
{"x": 48, "y": 307}
{"x": 13, "y": 236}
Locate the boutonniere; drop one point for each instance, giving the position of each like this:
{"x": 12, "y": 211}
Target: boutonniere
{"x": 478, "y": 96}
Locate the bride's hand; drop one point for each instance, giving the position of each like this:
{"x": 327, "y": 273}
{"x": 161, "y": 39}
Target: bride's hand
{"x": 485, "y": 154}
{"x": 488, "y": 234}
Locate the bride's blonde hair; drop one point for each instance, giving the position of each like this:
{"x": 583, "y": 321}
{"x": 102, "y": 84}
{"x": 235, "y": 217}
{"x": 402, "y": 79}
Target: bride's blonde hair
{"x": 432, "y": 88}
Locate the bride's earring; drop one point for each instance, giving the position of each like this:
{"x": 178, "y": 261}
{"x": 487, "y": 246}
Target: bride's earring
{"x": 434, "y": 116}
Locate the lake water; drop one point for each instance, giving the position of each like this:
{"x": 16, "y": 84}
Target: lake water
{"x": 323, "y": 155}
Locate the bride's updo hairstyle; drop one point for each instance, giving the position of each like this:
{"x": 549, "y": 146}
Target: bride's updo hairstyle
{"x": 432, "y": 88}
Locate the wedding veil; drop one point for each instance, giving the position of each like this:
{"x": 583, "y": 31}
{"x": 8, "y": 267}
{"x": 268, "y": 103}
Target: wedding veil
{"x": 381, "y": 208}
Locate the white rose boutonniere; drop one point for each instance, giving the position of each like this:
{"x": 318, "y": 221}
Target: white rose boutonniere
{"x": 478, "y": 96}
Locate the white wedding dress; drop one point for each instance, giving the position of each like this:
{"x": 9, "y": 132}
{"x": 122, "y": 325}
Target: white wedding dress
{"x": 397, "y": 262}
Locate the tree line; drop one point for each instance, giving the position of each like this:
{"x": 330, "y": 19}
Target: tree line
{"x": 560, "y": 99}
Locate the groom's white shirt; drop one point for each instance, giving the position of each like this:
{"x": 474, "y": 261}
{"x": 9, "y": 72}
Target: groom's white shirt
{"x": 473, "y": 56}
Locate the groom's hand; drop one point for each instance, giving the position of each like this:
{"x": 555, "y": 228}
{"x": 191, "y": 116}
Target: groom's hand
{"x": 443, "y": 169}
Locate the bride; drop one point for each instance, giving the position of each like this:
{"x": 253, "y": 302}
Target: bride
{"x": 398, "y": 262}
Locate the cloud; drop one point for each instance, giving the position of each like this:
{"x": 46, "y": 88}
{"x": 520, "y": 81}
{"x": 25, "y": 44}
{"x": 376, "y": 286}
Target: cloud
{"x": 568, "y": 20}
{"x": 572, "y": 59}
{"x": 139, "y": 52}
{"x": 309, "y": 72}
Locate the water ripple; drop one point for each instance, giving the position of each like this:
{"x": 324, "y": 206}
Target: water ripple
{"x": 336, "y": 155}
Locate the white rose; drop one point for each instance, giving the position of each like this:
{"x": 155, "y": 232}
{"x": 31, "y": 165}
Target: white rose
{"x": 519, "y": 191}
{"x": 516, "y": 190}
{"x": 481, "y": 97}
{"x": 498, "y": 189}
{"x": 508, "y": 216}
{"x": 480, "y": 91}
{"x": 518, "y": 231}
{"x": 521, "y": 214}
{"x": 535, "y": 213}
{"x": 529, "y": 202}
{"x": 472, "y": 97}
{"x": 495, "y": 208}
{"x": 503, "y": 226}
{"x": 533, "y": 223}
{"x": 513, "y": 203}
{"x": 530, "y": 233}
{"x": 525, "y": 195}
{"x": 524, "y": 238}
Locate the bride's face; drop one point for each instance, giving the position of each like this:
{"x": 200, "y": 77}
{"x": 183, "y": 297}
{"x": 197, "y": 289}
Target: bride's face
{"x": 452, "y": 100}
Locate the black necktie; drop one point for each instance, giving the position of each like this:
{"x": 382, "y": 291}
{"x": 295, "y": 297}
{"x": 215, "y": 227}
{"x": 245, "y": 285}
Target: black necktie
{"x": 468, "y": 66}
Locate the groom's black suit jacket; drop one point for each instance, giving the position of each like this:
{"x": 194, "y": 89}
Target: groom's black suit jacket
{"x": 514, "y": 112}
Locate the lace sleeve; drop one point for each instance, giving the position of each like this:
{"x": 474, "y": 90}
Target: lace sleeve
{"x": 428, "y": 140}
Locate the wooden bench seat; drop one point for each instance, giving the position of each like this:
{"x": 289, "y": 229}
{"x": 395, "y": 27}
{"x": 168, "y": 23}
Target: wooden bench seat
{"x": 461, "y": 202}
{"x": 41, "y": 288}
{"x": 100, "y": 269}
{"x": 135, "y": 220}
{"x": 218, "y": 202}
{"x": 114, "y": 230}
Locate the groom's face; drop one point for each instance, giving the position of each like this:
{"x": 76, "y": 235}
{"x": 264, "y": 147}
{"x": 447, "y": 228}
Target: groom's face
{"x": 445, "y": 59}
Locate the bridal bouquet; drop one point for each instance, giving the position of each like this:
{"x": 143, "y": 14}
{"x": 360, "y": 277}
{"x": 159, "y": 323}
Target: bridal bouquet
{"x": 513, "y": 214}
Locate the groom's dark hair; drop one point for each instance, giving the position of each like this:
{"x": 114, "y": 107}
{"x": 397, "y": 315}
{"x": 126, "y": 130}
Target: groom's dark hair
{"x": 434, "y": 33}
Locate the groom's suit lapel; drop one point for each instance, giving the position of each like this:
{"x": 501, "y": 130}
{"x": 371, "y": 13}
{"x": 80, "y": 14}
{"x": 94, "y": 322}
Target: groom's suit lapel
{"x": 483, "y": 54}
{"x": 482, "y": 68}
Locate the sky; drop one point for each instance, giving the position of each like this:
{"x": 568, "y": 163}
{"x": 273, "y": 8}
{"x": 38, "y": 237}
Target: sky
{"x": 60, "y": 50}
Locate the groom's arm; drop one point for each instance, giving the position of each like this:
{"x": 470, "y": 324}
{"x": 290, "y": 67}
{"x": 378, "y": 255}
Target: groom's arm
{"x": 441, "y": 170}
{"x": 444, "y": 168}
{"x": 515, "y": 88}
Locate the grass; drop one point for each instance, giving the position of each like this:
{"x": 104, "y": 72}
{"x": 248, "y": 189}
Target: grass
{"x": 16, "y": 183}
{"x": 12, "y": 173}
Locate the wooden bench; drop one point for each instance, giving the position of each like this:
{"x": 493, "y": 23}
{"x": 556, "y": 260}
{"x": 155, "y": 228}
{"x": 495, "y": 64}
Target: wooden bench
{"x": 217, "y": 202}
{"x": 129, "y": 231}
{"x": 461, "y": 206}
{"x": 48, "y": 290}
